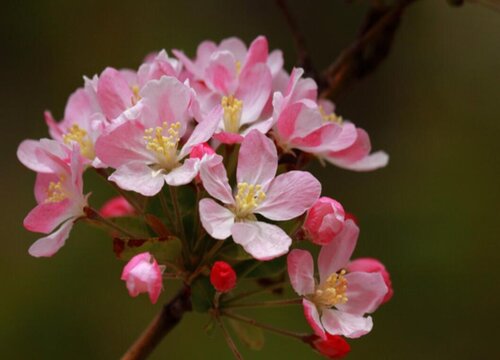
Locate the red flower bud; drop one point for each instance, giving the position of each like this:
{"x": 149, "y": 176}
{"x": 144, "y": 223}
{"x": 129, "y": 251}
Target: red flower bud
{"x": 199, "y": 150}
{"x": 324, "y": 220}
{"x": 333, "y": 347}
{"x": 222, "y": 276}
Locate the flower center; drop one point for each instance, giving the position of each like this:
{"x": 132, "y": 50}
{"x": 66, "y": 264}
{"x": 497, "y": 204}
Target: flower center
{"x": 330, "y": 117}
{"x": 332, "y": 291}
{"x": 249, "y": 196}
{"x": 80, "y": 136}
{"x": 55, "y": 192}
{"x": 232, "y": 113}
{"x": 163, "y": 142}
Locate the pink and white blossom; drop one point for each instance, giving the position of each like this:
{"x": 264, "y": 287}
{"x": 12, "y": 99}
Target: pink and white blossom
{"x": 337, "y": 303}
{"x": 259, "y": 191}
{"x": 142, "y": 274}
{"x": 371, "y": 265}
{"x": 146, "y": 151}
{"x": 324, "y": 220}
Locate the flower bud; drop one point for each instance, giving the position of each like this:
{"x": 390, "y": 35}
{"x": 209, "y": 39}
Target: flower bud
{"x": 222, "y": 276}
{"x": 143, "y": 274}
{"x": 333, "y": 347}
{"x": 371, "y": 265}
{"x": 324, "y": 220}
{"x": 351, "y": 216}
{"x": 116, "y": 207}
{"x": 199, "y": 150}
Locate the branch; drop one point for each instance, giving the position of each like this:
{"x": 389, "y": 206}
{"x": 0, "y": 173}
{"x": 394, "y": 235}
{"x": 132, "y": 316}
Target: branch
{"x": 363, "y": 56}
{"x": 170, "y": 315}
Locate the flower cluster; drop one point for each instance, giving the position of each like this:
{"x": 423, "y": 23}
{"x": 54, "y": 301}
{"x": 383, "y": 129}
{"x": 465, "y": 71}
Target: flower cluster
{"x": 208, "y": 156}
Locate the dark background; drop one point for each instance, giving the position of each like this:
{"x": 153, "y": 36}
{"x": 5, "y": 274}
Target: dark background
{"x": 431, "y": 216}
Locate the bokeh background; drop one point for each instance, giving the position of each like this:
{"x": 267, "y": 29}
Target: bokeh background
{"x": 432, "y": 216}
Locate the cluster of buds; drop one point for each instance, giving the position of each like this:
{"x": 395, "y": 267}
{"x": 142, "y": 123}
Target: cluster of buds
{"x": 208, "y": 157}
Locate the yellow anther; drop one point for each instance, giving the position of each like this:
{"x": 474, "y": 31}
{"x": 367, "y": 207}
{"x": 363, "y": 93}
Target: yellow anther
{"x": 330, "y": 117}
{"x": 80, "y": 136}
{"x": 163, "y": 142}
{"x": 249, "y": 196}
{"x": 232, "y": 113}
{"x": 238, "y": 67}
{"x": 135, "y": 97}
{"x": 332, "y": 291}
{"x": 55, "y": 192}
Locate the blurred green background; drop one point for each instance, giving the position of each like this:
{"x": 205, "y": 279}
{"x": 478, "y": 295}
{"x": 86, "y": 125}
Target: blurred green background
{"x": 431, "y": 216}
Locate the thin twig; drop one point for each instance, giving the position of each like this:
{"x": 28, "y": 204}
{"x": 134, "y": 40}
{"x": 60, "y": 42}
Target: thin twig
{"x": 271, "y": 303}
{"x": 229, "y": 340}
{"x": 93, "y": 214}
{"x": 254, "y": 292}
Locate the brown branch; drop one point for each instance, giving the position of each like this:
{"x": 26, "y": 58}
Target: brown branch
{"x": 303, "y": 57}
{"x": 169, "y": 316}
{"x": 364, "y": 55}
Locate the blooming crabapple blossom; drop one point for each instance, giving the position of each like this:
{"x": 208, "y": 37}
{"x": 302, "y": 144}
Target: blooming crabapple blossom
{"x": 324, "y": 220}
{"x": 222, "y": 276}
{"x": 116, "y": 207}
{"x": 280, "y": 198}
{"x": 300, "y": 123}
{"x": 146, "y": 151}
{"x": 238, "y": 79}
{"x": 59, "y": 194}
{"x": 371, "y": 265}
{"x": 338, "y": 302}
{"x": 142, "y": 274}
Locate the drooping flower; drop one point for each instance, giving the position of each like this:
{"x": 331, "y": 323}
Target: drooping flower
{"x": 142, "y": 274}
{"x": 371, "y": 265}
{"x": 280, "y": 198}
{"x": 239, "y": 80}
{"x": 324, "y": 220}
{"x": 146, "y": 151}
{"x": 222, "y": 276}
{"x": 338, "y": 302}
{"x": 59, "y": 194}
{"x": 116, "y": 207}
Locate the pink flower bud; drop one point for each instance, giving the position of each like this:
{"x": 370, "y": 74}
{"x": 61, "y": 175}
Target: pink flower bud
{"x": 116, "y": 207}
{"x": 199, "y": 150}
{"x": 333, "y": 347}
{"x": 371, "y": 265}
{"x": 324, "y": 220}
{"x": 143, "y": 274}
{"x": 222, "y": 276}
{"x": 351, "y": 216}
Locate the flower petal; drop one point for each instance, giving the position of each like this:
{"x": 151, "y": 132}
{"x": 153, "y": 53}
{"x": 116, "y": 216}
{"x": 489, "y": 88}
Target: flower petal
{"x": 254, "y": 90}
{"x": 351, "y": 326}
{"x": 138, "y": 177}
{"x": 221, "y": 74}
{"x": 257, "y": 160}
{"x": 216, "y": 219}
{"x": 45, "y": 217}
{"x": 257, "y": 52}
{"x": 336, "y": 254}
{"x": 261, "y": 240}
{"x": 183, "y": 174}
{"x": 312, "y": 317}
{"x": 114, "y": 93}
{"x": 214, "y": 177}
{"x": 49, "y": 245}
{"x": 290, "y": 195}
{"x": 301, "y": 271}
{"x": 365, "y": 292}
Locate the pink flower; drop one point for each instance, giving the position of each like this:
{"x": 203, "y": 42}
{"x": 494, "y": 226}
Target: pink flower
{"x": 280, "y": 198}
{"x": 237, "y": 79}
{"x": 371, "y": 265}
{"x": 146, "y": 151}
{"x": 333, "y": 347}
{"x": 338, "y": 302}
{"x": 116, "y": 207}
{"x": 222, "y": 276}
{"x": 301, "y": 124}
{"x": 324, "y": 220}
{"x": 59, "y": 194}
{"x": 143, "y": 274}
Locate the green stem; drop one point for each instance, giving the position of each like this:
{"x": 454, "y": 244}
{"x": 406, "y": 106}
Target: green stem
{"x": 229, "y": 340}
{"x": 93, "y": 214}
{"x": 271, "y": 303}
{"x": 177, "y": 210}
{"x": 301, "y": 337}
{"x": 165, "y": 208}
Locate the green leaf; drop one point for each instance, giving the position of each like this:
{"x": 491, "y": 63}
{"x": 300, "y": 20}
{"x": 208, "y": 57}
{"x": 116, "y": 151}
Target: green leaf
{"x": 249, "y": 335}
{"x": 202, "y": 294}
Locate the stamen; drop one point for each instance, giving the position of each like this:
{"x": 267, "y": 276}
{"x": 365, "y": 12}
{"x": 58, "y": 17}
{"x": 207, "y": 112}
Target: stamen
{"x": 55, "y": 192}
{"x": 330, "y": 117}
{"x": 80, "y": 136}
{"x": 232, "y": 113}
{"x": 249, "y": 196}
{"x": 238, "y": 67}
{"x": 332, "y": 291}
{"x": 135, "y": 97}
{"x": 164, "y": 147}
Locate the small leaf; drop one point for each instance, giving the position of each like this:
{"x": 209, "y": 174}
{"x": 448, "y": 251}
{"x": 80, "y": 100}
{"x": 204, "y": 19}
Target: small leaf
{"x": 202, "y": 294}
{"x": 157, "y": 225}
{"x": 249, "y": 335}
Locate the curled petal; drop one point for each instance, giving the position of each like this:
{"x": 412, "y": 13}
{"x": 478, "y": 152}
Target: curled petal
{"x": 365, "y": 292}
{"x": 49, "y": 245}
{"x": 45, "y": 217}
{"x": 312, "y": 317}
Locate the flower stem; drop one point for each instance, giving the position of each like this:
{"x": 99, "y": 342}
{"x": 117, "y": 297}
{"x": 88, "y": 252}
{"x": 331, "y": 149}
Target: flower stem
{"x": 271, "y": 303}
{"x": 165, "y": 208}
{"x": 255, "y": 292}
{"x": 267, "y": 327}
{"x": 93, "y": 214}
{"x": 228, "y": 338}
{"x": 178, "y": 215}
